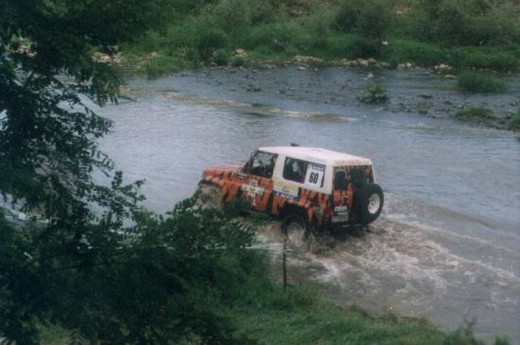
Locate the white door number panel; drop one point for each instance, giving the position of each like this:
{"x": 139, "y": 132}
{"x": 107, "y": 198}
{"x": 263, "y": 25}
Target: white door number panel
{"x": 315, "y": 173}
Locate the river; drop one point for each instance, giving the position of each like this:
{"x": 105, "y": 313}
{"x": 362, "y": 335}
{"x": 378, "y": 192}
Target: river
{"x": 447, "y": 244}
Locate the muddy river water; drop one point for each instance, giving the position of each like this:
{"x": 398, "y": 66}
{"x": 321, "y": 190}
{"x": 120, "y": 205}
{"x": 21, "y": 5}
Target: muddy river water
{"x": 447, "y": 246}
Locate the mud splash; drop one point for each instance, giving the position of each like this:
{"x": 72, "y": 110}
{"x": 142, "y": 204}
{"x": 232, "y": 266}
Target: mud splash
{"x": 397, "y": 266}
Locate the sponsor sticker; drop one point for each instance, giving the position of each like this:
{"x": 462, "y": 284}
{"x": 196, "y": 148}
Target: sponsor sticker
{"x": 285, "y": 189}
{"x": 252, "y": 189}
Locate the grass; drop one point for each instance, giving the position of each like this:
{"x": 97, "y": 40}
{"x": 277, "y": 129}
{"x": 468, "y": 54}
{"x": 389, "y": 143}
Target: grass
{"x": 160, "y": 65}
{"x": 320, "y": 326}
{"x": 374, "y": 94}
{"x": 474, "y": 82}
{"x": 301, "y": 317}
{"x": 474, "y": 114}
{"x": 514, "y": 123}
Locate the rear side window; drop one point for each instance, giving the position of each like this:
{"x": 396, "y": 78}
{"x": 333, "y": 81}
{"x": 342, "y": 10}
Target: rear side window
{"x": 304, "y": 172}
{"x": 294, "y": 170}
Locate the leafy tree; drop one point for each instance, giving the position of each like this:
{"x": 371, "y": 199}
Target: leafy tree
{"x": 76, "y": 270}
{"x": 47, "y": 144}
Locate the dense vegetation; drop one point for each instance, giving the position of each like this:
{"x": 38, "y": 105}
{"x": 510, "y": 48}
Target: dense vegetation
{"x": 476, "y": 34}
{"x": 96, "y": 267}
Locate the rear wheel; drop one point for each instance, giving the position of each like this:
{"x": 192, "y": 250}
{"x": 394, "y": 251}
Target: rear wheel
{"x": 370, "y": 202}
{"x": 297, "y": 231}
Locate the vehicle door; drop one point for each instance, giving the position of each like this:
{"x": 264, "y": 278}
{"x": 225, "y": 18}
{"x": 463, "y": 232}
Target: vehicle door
{"x": 257, "y": 185}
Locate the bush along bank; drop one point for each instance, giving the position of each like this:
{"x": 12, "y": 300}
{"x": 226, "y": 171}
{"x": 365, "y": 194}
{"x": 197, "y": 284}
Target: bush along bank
{"x": 424, "y": 32}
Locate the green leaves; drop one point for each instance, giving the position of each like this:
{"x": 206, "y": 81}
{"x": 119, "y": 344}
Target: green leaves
{"x": 374, "y": 94}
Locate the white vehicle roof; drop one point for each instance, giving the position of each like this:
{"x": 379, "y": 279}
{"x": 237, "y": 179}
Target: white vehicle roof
{"x": 317, "y": 155}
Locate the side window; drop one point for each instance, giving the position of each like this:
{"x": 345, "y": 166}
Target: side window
{"x": 261, "y": 164}
{"x": 340, "y": 179}
{"x": 294, "y": 170}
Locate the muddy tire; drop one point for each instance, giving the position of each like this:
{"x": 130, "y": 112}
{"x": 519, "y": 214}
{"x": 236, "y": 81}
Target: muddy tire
{"x": 209, "y": 196}
{"x": 297, "y": 230}
{"x": 370, "y": 202}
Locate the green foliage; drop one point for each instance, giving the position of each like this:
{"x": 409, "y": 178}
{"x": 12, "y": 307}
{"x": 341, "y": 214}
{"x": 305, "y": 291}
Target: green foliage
{"x": 210, "y": 42}
{"x": 82, "y": 270}
{"x": 423, "y": 32}
{"x": 473, "y": 113}
{"x": 176, "y": 278}
{"x": 315, "y": 321}
{"x": 374, "y": 94}
{"x": 170, "y": 278}
{"x": 465, "y": 336}
{"x": 425, "y": 54}
{"x": 370, "y": 20}
{"x": 514, "y": 123}
{"x": 483, "y": 58}
{"x": 475, "y": 82}
{"x": 160, "y": 65}
{"x": 319, "y": 22}
{"x": 312, "y": 320}
{"x": 460, "y": 22}
{"x": 233, "y": 16}
{"x": 338, "y": 46}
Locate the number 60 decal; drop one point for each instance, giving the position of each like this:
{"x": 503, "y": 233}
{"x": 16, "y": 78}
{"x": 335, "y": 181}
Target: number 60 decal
{"x": 315, "y": 174}
{"x": 313, "y": 178}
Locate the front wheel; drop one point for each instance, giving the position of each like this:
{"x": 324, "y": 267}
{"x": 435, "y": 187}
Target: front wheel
{"x": 209, "y": 196}
{"x": 297, "y": 230}
{"x": 370, "y": 202}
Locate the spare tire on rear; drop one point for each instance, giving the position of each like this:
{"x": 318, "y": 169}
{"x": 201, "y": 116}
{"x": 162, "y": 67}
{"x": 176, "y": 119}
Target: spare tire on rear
{"x": 370, "y": 200}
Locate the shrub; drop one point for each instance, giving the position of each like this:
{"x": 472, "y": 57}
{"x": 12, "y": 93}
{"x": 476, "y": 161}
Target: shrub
{"x": 374, "y": 94}
{"x": 473, "y": 113}
{"x": 278, "y": 37}
{"x": 465, "y": 22}
{"x": 210, "y": 42}
{"x": 369, "y": 18}
{"x": 319, "y": 22}
{"x": 480, "y": 83}
{"x": 364, "y": 48}
{"x": 514, "y": 123}
{"x": 238, "y": 61}
{"x": 161, "y": 65}
{"x": 484, "y": 58}
{"x": 427, "y": 54}
{"x": 221, "y": 57}
{"x": 338, "y": 46}
{"x": 231, "y": 15}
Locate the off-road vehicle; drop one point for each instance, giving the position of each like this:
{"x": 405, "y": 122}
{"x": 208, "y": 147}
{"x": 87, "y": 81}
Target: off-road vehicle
{"x": 307, "y": 187}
